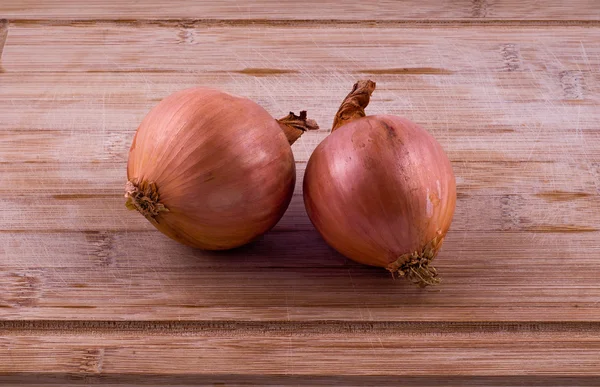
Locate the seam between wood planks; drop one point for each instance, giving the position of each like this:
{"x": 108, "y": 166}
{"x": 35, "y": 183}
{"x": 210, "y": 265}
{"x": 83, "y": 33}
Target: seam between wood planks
{"x": 309, "y": 23}
{"x": 285, "y": 328}
{"x": 246, "y": 379}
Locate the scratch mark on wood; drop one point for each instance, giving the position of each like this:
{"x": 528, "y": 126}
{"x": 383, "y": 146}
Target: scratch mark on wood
{"x": 511, "y": 57}
{"x": 407, "y": 70}
{"x": 572, "y": 84}
{"x": 562, "y": 196}
{"x": 479, "y": 8}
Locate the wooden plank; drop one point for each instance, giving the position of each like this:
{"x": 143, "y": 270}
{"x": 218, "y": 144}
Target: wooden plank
{"x": 462, "y": 143}
{"x": 492, "y": 197}
{"x": 324, "y": 350}
{"x": 336, "y": 50}
{"x": 319, "y": 10}
{"x": 551, "y": 211}
{"x": 134, "y": 380}
{"x": 99, "y": 249}
{"x": 111, "y": 299}
{"x": 487, "y": 276}
{"x": 522, "y": 140}
{"x": 547, "y": 181}
{"x": 486, "y": 117}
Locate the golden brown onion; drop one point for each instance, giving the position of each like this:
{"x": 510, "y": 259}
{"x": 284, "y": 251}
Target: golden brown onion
{"x": 212, "y": 170}
{"x": 381, "y": 190}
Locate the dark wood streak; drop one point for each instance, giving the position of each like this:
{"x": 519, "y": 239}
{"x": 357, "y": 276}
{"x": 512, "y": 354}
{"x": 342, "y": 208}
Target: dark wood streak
{"x": 551, "y": 228}
{"x": 263, "y": 72}
{"x": 195, "y": 379}
{"x": 562, "y": 196}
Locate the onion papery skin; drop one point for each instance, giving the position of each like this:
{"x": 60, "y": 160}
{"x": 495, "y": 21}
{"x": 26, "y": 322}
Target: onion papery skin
{"x": 219, "y": 167}
{"x": 381, "y": 191}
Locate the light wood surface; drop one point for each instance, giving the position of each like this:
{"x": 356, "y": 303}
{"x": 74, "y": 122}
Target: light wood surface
{"x": 270, "y": 10}
{"x": 92, "y": 293}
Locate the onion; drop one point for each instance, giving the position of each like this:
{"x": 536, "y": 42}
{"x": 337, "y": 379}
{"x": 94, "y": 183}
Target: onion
{"x": 212, "y": 170}
{"x": 380, "y": 190}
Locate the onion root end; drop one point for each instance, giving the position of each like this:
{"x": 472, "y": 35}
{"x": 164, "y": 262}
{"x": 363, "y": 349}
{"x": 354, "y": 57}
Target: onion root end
{"x": 416, "y": 266}
{"x": 143, "y": 197}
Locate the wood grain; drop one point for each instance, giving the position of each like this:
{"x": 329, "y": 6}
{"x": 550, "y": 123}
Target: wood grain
{"x": 320, "y": 10}
{"x": 323, "y": 350}
{"x": 130, "y": 380}
{"x": 101, "y": 207}
{"x": 544, "y": 182}
{"x": 97, "y": 116}
{"x": 340, "y": 51}
{"x": 92, "y": 293}
{"x": 294, "y": 276}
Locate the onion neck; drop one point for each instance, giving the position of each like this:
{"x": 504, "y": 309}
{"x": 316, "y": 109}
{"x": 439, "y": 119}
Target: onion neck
{"x": 294, "y": 126}
{"x": 143, "y": 197}
{"x": 354, "y": 104}
{"x": 416, "y": 266}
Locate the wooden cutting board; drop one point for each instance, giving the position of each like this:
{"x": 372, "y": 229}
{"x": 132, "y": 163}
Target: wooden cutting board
{"x": 90, "y": 292}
